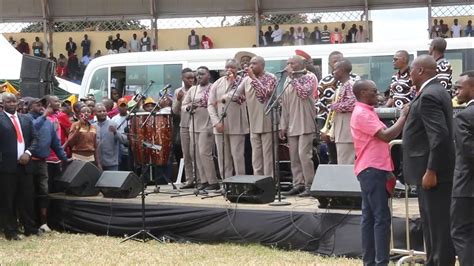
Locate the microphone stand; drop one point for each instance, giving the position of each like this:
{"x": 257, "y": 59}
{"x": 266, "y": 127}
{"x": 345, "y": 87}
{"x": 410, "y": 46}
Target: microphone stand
{"x": 273, "y": 106}
{"x": 191, "y": 112}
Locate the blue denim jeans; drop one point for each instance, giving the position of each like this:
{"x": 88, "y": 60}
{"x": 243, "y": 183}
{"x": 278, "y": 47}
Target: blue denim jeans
{"x": 376, "y": 217}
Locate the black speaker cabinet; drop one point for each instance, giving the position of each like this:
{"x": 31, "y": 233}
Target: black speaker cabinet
{"x": 250, "y": 189}
{"x": 119, "y": 184}
{"x": 36, "y": 76}
{"x": 79, "y": 179}
{"x": 336, "y": 186}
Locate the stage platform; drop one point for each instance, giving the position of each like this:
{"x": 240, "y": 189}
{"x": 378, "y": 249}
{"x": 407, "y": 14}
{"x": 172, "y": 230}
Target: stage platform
{"x": 301, "y": 225}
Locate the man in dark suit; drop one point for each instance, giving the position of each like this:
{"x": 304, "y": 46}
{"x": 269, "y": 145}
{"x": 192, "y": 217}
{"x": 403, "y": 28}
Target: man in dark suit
{"x": 428, "y": 152}
{"x": 17, "y": 138}
{"x": 462, "y": 205}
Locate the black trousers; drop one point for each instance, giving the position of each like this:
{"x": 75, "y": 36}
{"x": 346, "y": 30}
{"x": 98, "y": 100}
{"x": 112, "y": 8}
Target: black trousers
{"x": 17, "y": 194}
{"x": 462, "y": 229}
{"x": 434, "y": 205}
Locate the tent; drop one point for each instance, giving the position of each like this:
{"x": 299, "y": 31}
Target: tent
{"x": 11, "y": 67}
{"x": 10, "y": 70}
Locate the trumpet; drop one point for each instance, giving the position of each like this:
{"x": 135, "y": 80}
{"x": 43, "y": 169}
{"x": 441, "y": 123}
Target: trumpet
{"x": 328, "y": 128}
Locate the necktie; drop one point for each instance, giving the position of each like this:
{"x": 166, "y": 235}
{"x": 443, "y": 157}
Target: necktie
{"x": 19, "y": 138}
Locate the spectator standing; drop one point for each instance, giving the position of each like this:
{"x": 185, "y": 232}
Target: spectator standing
{"x": 351, "y": 34}
{"x": 444, "y": 29}
{"x": 145, "y": 42}
{"x": 117, "y": 43}
{"x": 435, "y": 29}
{"x": 134, "y": 44}
{"x": 262, "y": 41}
{"x": 325, "y": 35}
{"x": 85, "y": 60}
{"x": 206, "y": 42}
{"x": 109, "y": 44}
{"x": 468, "y": 29}
{"x": 361, "y": 35}
{"x": 299, "y": 36}
{"x": 306, "y": 35}
{"x": 108, "y": 140}
{"x": 277, "y": 36}
{"x": 291, "y": 36}
{"x": 193, "y": 40}
{"x": 336, "y": 36}
{"x": 23, "y": 47}
{"x": 86, "y": 45}
{"x": 71, "y": 47}
{"x": 121, "y": 121}
{"x": 268, "y": 36}
{"x": 12, "y": 41}
{"x": 37, "y": 47}
{"x": 444, "y": 69}
{"x": 315, "y": 37}
{"x": 456, "y": 29}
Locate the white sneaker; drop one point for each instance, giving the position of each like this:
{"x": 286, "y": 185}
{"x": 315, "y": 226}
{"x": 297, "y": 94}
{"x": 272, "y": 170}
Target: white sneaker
{"x": 45, "y": 228}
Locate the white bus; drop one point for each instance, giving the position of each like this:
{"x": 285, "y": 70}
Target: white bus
{"x": 130, "y": 72}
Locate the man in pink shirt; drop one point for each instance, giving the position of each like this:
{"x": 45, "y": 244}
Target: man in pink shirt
{"x": 373, "y": 167}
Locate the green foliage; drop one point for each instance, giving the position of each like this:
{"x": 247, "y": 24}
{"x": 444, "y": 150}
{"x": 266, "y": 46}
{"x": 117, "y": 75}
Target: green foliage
{"x": 273, "y": 19}
{"x": 72, "y": 26}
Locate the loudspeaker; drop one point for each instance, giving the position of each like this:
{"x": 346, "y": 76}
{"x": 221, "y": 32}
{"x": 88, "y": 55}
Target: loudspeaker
{"x": 250, "y": 189}
{"x": 79, "y": 179}
{"x": 336, "y": 186}
{"x": 119, "y": 184}
{"x": 36, "y": 76}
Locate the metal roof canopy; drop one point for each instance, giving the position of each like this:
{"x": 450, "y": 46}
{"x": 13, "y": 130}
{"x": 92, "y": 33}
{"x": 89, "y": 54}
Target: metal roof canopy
{"x": 69, "y": 10}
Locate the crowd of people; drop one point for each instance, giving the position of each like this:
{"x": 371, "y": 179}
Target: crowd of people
{"x": 457, "y": 30}
{"x": 215, "y": 117}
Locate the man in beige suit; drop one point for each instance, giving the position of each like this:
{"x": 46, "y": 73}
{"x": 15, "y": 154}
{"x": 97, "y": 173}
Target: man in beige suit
{"x": 233, "y": 126}
{"x": 298, "y": 123}
{"x": 343, "y": 110}
{"x": 258, "y": 87}
{"x": 187, "y": 75}
{"x": 195, "y": 102}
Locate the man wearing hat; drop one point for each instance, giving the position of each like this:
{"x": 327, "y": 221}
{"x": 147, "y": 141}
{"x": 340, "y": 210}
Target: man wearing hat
{"x": 121, "y": 121}
{"x": 149, "y": 104}
{"x": 243, "y": 58}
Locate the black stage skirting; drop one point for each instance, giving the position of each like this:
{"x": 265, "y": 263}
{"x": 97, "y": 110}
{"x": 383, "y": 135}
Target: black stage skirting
{"x": 323, "y": 233}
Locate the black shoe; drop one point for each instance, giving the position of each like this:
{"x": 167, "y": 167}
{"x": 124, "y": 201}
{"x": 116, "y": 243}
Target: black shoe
{"x": 305, "y": 193}
{"x": 215, "y": 186}
{"x": 203, "y": 186}
{"x": 14, "y": 237}
{"x": 34, "y": 233}
{"x": 187, "y": 185}
{"x": 294, "y": 191}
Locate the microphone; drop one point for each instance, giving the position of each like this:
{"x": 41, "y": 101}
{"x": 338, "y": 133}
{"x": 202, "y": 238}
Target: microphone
{"x": 241, "y": 71}
{"x": 281, "y": 71}
{"x": 299, "y": 72}
{"x": 166, "y": 87}
{"x": 152, "y": 81}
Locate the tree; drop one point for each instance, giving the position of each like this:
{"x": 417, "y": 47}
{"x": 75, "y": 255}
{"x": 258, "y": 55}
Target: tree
{"x": 87, "y": 26}
{"x": 273, "y": 19}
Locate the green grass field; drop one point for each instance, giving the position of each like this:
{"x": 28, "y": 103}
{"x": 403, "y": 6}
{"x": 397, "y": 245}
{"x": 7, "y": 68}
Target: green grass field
{"x": 66, "y": 249}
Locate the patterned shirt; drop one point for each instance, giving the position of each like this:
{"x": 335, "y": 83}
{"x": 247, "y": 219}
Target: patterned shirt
{"x": 401, "y": 89}
{"x": 304, "y": 85}
{"x": 205, "y": 95}
{"x": 264, "y": 86}
{"x": 346, "y": 100}
{"x": 445, "y": 73}
{"x": 327, "y": 89}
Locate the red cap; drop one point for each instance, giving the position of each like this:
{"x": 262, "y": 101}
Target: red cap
{"x": 303, "y": 54}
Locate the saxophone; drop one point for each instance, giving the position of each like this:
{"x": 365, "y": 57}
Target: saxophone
{"x": 328, "y": 128}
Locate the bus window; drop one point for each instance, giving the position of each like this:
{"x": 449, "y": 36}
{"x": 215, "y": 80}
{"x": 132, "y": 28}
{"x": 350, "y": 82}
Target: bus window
{"x": 99, "y": 84}
{"x": 376, "y": 68}
{"x": 138, "y": 78}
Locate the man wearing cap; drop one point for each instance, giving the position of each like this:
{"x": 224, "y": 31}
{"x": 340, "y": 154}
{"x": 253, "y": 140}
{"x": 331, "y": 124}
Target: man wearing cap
{"x": 121, "y": 121}
{"x": 149, "y": 104}
{"x": 188, "y": 77}
{"x": 298, "y": 124}
{"x": 233, "y": 126}
{"x": 258, "y": 87}
{"x": 47, "y": 140}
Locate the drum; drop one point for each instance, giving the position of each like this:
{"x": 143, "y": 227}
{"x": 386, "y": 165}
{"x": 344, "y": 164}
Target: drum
{"x": 156, "y": 132}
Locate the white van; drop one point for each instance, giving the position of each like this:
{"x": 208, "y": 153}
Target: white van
{"x": 133, "y": 71}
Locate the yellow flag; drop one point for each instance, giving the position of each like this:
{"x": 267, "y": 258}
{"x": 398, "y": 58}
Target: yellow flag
{"x": 72, "y": 99}
{"x": 7, "y": 87}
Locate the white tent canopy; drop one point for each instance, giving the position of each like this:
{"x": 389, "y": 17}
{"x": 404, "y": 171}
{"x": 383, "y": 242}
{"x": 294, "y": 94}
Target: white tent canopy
{"x": 11, "y": 60}
{"x": 11, "y": 67}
